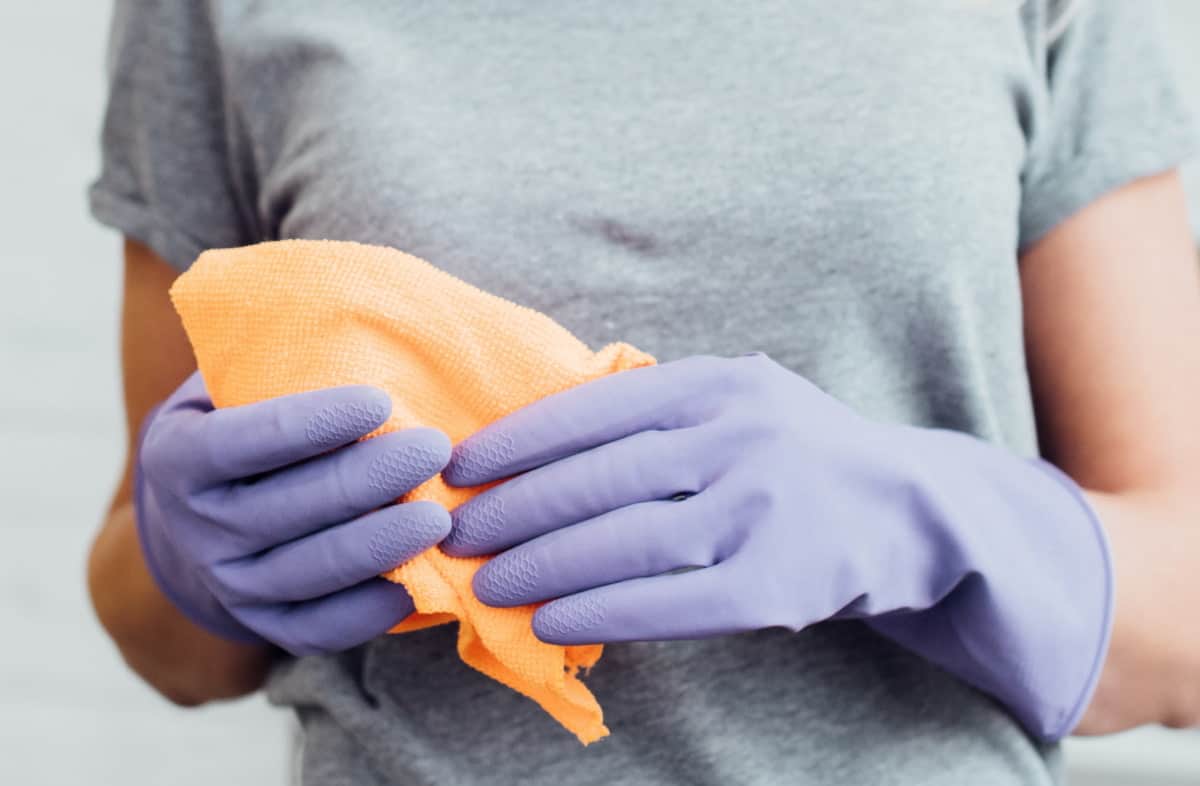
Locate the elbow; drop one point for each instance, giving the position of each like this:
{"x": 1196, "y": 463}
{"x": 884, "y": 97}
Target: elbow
{"x": 1183, "y": 708}
{"x": 1152, "y": 670}
{"x": 175, "y": 695}
{"x": 185, "y": 665}
{"x": 180, "y": 700}
{"x": 126, "y": 637}
{"x": 190, "y": 684}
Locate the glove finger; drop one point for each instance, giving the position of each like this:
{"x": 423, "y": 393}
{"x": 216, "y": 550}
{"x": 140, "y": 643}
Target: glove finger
{"x": 575, "y": 420}
{"x": 335, "y": 558}
{"x": 692, "y": 605}
{"x": 647, "y": 466}
{"x": 642, "y": 540}
{"x": 190, "y": 395}
{"x": 333, "y": 623}
{"x": 327, "y": 490}
{"x": 239, "y": 442}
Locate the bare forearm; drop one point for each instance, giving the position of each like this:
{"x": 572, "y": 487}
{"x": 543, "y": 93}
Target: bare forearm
{"x": 183, "y": 662}
{"x": 1112, "y": 310}
{"x": 1152, "y": 673}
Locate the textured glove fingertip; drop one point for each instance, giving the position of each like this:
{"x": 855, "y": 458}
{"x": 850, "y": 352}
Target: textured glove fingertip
{"x": 417, "y": 527}
{"x": 570, "y": 620}
{"x": 345, "y": 421}
{"x": 480, "y": 458}
{"x": 477, "y": 523}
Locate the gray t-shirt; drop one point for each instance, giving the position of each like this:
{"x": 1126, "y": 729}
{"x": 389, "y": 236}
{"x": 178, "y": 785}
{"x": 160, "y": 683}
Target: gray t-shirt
{"x": 845, "y": 186}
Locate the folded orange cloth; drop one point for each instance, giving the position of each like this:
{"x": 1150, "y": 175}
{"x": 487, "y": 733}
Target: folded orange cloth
{"x": 295, "y": 315}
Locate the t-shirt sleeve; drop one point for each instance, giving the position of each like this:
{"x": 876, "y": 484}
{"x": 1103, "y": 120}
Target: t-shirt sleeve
{"x": 1113, "y": 111}
{"x": 167, "y": 176}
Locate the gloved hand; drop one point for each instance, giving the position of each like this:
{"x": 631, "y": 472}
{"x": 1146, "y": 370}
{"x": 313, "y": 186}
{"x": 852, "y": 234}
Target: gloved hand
{"x": 795, "y": 510}
{"x": 268, "y": 522}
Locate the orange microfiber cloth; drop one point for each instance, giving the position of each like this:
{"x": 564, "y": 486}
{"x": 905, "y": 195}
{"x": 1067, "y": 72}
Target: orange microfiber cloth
{"x": 295, "y": 315}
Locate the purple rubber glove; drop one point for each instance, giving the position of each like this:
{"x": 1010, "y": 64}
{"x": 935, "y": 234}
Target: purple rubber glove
{"x": 269, "y": 523}
{"x": 790, "y": 509}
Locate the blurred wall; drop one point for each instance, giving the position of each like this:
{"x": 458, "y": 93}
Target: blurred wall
{"x": 70, "y": 712}
{"x": 1184, "y": 32}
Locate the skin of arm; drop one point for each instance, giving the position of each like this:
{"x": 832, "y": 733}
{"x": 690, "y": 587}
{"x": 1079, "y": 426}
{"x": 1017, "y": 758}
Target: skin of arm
{"x": 1112, "y": 329}
{"x": 183, "y": 662}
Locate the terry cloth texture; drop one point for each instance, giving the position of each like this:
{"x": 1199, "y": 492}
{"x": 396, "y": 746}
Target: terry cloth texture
{"x": 845, "y": 186}
{"x": 285, "y": 317}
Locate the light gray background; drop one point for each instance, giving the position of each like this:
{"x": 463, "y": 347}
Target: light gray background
{"x": 70, "y": 713}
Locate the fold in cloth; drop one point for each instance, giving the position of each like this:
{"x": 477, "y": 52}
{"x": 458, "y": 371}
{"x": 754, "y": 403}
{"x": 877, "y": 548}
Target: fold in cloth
{"x": 284, "y": 317}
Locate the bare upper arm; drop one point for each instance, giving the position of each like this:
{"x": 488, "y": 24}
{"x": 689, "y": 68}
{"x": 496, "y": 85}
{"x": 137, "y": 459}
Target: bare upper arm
{"x": 155, "y": 354}
{"x": 1112, "y": 316}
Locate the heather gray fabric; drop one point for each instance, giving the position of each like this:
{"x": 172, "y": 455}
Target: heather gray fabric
{"x": 844, "y": 186}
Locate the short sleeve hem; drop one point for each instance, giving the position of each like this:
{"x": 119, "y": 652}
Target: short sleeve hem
{"x": 169, "y": 174}
{"x": 1093, "y": 173}
{"x": 139, "y": 222}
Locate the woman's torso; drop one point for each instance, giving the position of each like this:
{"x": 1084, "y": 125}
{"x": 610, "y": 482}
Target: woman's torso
{"x": 836, "y": 184}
